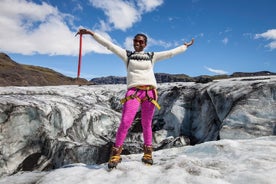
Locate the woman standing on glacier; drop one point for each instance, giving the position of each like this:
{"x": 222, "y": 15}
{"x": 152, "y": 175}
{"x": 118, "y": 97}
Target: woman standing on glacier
{"x": 141, "y": 90}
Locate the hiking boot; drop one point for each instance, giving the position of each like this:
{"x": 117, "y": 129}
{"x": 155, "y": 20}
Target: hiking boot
{"x": 115, "y": 157}
{"x": 147, "y": 157}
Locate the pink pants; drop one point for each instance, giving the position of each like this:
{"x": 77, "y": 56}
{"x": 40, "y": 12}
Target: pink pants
{"x": 130, "y": 109}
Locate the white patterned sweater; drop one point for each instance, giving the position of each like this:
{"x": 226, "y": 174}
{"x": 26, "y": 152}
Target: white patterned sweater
{"x": 139, "y": 67}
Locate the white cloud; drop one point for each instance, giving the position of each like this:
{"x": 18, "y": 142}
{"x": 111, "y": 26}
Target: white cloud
{"x": 200, "y": 35}
{"x": 123, "y": 14}
{"x": 120, "y": 13}
{"x": 152, "y": 41}
{"x": 272, "y": 45}
{"x": 146, "y": 5}
{"x": 78, "y": 7}
{"x": 216, "y": 71}
{"x": 227, "y": 30}
{"x": 129, "y": 43}
{"x": 44, "y": 30}
{"x": 104, "y": 26}
{"x": 268, "y": 35}
{"x": 225, "y": 40}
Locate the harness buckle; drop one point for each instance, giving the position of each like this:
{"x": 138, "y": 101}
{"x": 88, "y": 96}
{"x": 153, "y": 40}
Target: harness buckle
{"x": 144, "y": 88}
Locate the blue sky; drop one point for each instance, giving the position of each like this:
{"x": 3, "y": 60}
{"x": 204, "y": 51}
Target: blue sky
{"x": 230, "y": 35}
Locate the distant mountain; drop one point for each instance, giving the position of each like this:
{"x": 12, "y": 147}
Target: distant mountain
{"x": 246, "y": 74}
{"x": 15, "y": 74}
{"x": 164, "y": 78}
{"x": 160, "y": 77}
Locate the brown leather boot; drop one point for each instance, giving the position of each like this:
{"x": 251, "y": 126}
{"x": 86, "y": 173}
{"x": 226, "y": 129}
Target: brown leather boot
{"x": 115, "y": 157}
{"x": 147, "y": 157}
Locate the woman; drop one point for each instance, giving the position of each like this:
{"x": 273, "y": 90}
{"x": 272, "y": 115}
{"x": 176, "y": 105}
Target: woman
{"x": 141, "y": 90}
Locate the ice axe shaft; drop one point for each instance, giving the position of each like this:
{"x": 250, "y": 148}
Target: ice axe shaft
{"x": 80, "y": 54}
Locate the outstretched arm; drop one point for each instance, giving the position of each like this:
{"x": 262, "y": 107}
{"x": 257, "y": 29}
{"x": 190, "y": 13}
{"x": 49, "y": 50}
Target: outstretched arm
{"x": 158, "y": 56}
{"x": 106, "y": 43}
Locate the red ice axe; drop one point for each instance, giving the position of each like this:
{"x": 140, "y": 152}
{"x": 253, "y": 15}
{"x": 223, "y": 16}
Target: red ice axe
{"x": 80, "y": 53}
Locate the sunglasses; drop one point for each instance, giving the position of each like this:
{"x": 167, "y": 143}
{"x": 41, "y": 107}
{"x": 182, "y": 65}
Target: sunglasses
{"x": 139, "y": 41}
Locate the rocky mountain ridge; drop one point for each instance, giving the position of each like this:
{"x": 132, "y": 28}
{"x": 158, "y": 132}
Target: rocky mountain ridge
{"x": 15, "y": 74}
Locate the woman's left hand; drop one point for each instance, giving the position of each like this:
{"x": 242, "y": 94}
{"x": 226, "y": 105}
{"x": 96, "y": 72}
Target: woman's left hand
{"x": 189, "y": 43}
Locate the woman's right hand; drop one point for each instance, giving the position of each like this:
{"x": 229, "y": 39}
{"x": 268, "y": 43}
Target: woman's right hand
{"x": 85, "y": 31}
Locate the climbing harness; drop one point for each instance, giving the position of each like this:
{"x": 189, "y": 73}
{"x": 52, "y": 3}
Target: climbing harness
{"x": 144, "y": 88}
{"x": 148, "y": 56}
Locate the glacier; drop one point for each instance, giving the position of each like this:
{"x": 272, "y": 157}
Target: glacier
{"x": 49, "y": 127}
{"x": 217, "y": 162}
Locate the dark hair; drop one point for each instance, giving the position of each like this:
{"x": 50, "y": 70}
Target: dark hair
{"x": 143, "y": 35}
